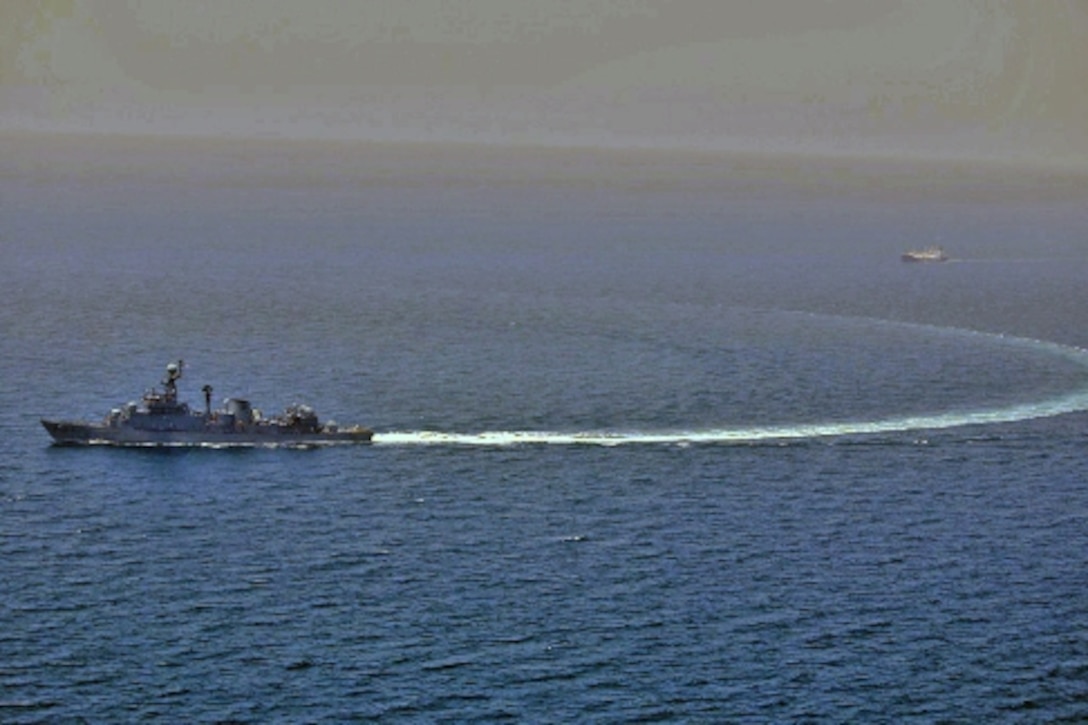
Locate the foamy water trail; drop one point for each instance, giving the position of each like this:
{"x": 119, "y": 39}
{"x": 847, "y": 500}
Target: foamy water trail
{"x": 1071, "y": 402}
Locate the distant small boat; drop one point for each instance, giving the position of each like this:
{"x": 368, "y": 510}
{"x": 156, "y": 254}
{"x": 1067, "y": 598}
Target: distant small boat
{"x": 929, "y": 254}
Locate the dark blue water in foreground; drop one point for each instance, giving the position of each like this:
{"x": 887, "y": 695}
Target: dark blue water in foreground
{"x": 656, "y": 442}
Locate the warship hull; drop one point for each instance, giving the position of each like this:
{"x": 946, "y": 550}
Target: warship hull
{"x": 75, "y": 433}
{"x": 160, "y": 419}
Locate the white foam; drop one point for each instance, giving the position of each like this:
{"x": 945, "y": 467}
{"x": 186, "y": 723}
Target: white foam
{"x": 1071, "y": 402}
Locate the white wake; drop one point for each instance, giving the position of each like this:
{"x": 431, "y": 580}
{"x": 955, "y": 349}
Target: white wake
{"x": 1071, "y": 402}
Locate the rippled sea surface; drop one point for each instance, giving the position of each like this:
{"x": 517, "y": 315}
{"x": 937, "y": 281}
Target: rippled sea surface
{"x": 659, "y": 438}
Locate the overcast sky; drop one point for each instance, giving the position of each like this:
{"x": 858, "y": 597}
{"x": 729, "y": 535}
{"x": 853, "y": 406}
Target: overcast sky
{"x": 983, "y": 78}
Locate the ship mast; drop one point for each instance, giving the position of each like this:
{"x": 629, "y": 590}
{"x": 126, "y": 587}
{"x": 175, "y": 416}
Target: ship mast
{"x": 170, "y": 382}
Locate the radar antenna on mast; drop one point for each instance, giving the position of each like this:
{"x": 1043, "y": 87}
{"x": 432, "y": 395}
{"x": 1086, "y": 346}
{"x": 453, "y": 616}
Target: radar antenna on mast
{"x": 170, "y": 382}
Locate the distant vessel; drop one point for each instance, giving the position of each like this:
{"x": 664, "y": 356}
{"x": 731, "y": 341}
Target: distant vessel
{"x": 160, "y": 420}
{"x": 929, "y": 254}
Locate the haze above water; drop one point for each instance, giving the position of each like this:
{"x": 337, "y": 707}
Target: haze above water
{"x": 961, "y": 79}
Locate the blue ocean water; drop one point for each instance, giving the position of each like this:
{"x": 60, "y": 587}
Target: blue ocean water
{"x": 659, "y": 437}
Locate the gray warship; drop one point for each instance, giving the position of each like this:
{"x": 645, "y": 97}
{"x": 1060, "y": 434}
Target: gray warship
{"x": 160, "y": 420}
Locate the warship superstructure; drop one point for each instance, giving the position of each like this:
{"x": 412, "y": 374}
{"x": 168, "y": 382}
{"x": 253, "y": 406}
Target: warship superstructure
{"x": 159, "y": 419}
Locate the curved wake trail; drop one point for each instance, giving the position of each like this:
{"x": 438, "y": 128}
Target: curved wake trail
{"x": 1072, "y": 402}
